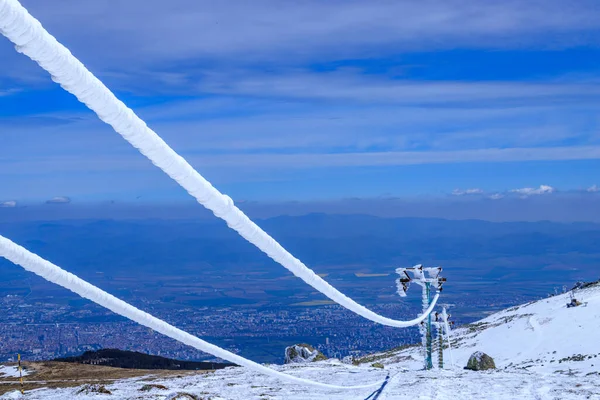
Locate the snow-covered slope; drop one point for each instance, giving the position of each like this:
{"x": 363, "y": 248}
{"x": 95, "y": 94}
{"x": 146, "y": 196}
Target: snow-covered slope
{"x": 542, "y": 336}
{"x": 543, "y": 350}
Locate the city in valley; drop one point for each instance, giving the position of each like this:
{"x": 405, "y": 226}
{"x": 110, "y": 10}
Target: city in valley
{"x": 244, "y": 302}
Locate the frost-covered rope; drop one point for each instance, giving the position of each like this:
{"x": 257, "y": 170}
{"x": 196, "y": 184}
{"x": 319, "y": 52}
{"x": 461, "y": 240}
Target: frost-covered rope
{"x": 34, "y": 263}
{"x": 35, "y": 42}
{"x": 448, "y": 333}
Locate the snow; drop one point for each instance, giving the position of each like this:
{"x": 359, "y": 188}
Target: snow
{"x": 244, "y": 384}
{"x": 11, "y": 371}
{"x": 15, "y": 394}
{"x": 522, "y": 340}
{"x": 543, "y": 349}
{"x": 539, "y": 335}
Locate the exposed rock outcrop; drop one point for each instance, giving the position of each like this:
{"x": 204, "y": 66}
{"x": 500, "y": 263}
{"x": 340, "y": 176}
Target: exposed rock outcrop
{"x": 348, "y": 360}
{"x": 91, "y": 389}
{"x": 302, "y": 353}
{"x": 479, "y": 361}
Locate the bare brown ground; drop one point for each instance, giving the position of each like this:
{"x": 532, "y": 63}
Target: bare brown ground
{"x": 52, "y": 374}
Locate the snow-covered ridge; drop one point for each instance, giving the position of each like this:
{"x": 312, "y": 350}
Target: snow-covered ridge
{"x": 543, "y": 336}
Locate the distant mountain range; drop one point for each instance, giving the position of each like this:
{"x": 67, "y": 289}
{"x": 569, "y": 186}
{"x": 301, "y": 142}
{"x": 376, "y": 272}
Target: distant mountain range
{"x": 317, "y": 239}
{"x": 540, "y": 255}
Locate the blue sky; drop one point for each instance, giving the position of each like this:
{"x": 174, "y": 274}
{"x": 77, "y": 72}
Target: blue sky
{"x": 313, "y": 100}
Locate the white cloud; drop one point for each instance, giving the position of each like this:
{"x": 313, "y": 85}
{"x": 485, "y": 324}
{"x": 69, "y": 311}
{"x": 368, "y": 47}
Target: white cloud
{"x": 459, "y": 192}
{"x": 593, "y": 189}
{"x": 59, "y": 200}
{"x": 243, "y": 35}
{"x": 350, "y": 85}
{"x": 8, "y": 92}
{"x": 496, "y": 196}
{"x": 8, "y": 204}
{"x": 267, "y": 29}
{"x": 132, "y": 162}
{"x": 525, "y": 192}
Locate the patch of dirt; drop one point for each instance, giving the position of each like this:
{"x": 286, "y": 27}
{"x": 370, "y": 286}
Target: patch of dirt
{"x": 53, "y": 374}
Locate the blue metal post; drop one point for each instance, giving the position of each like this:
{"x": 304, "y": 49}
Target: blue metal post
{"x": 429, "y": 344}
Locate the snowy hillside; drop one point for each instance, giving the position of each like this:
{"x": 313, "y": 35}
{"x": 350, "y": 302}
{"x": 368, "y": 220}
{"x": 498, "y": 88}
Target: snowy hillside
{"x": 543, "y": 350}
{"x": 543, "y": 336}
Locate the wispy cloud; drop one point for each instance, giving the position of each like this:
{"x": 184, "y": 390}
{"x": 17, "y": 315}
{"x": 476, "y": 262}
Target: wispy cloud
{"x": 473, "y": 191}
{"x": 8, "y": 204}
{"x": 256, "y": 88}
{"x": 212, "y": 127}
{"x": 8, "y": 92}
{"x": 402, "y": 158}
{"x": 564, "y": 207}
{"x": 59, "y": 200}
{"x": 522, "y": 192}
{"x": 180, "y": 42}
{"x": 352, "y": 86}
{"x": 267, "y": 28}
{"x": 525, "y": 192}
{"x": 133, "y": 162}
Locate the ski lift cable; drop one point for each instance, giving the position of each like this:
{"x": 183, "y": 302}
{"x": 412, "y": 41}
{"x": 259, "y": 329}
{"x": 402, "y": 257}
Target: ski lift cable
{"x": 448, "y": 333}
{"x": 49, "y": 271}
{"x": 30, "y": 38}
{"x": 450, "y": 349}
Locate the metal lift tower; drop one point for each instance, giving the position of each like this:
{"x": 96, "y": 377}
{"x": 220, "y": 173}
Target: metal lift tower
{"x": 429, "y": 279}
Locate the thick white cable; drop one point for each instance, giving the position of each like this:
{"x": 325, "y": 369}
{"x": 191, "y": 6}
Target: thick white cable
{"x": 450, "y": 349}
{"x": 35, "y": 42}
{"x": 448, "y": 333}
{"x": 34, "y": 263}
